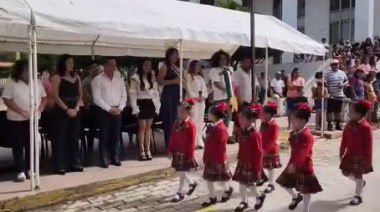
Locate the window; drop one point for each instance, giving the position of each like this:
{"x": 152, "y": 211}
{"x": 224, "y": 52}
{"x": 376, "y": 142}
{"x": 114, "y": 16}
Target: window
{"x": 345, "y": 4}
{"x": 301, "y": 8}
{"x": 277, "y": 9}
{"x": 334, "y": 5}
{"x": 342, "y": 20}
{"x": 209, "y": 2}
{"x": 334, "y": 32}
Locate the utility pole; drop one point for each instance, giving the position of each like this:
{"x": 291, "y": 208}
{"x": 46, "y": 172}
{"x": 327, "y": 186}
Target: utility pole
{"x": 253, "y": 72}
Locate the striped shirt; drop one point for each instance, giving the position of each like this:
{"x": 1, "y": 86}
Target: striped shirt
{"x": 334, "y": 80}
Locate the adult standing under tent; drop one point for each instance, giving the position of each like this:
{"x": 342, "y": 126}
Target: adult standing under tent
{"x": 336, "y": 81}
{"x": 169, "y": 77}
{"x": 110, "y": 95}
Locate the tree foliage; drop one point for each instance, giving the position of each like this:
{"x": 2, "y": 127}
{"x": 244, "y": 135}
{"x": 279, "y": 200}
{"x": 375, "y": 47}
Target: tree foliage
{"x": 231, "y": 4}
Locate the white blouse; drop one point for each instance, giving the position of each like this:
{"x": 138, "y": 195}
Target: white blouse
{"x": 196, "y": 86}
{"x": 136, "y": 93}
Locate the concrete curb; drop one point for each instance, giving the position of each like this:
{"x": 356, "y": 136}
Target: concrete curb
{"x": 70, "y": 194}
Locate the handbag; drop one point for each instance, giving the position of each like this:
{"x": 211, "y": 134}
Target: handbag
{"x": 156, "y": 100}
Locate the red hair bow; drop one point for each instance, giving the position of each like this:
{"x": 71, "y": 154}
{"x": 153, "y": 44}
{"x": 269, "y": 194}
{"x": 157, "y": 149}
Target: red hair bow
{"x": 365, "y": 104}
{"x": 272, "y": 105}
{"x": 304, "y": 106}
{"x": 223, "y": 107}
{"x": 190, "y": 101}
{"x": 256, "y": 108}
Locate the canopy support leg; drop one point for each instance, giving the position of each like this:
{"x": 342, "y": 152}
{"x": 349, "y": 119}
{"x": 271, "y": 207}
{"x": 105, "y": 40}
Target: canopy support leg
{"x": 92, "y": 47}
{"x": 180, "y": 71}
{"x": 31, "y": 119}
{"x": 266, "y": 75}
{"x": 323, "y": 112}
{"x": 36, "y": 112}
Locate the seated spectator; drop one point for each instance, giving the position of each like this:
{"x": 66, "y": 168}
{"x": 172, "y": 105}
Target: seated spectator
{"x": 357, "y": 85}
{"x": 16, "y": 98}
{"x": 376, "y": 87}
{"x": 370, "y": 94}
{"x": 365, "y": 66}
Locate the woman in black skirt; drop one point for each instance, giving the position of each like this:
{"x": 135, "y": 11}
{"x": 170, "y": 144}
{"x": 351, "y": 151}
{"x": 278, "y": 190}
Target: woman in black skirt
{"x": 145, "y": 104}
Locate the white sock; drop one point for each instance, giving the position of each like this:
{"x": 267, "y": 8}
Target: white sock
{"x": 291, "y": 192}
{"x": 211, "y": 189}
{"x": 243, "y": 193}
{"x": 181, "y": 182}
{"x": 271, "y": 176}
{"x": 306, "y": 202}
{"x": 187, "y": 178}
{"x": 255, "y": 191}
{"x": 352, "y": 178}
{"x": 359, "y": 187}
{"x": 226, "y": 186}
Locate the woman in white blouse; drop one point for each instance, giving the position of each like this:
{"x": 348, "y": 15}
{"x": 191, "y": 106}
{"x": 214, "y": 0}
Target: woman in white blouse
{"x": 145, "y": 104}
{"x": 197, "y": 89}
{"x": 16, "y": 98}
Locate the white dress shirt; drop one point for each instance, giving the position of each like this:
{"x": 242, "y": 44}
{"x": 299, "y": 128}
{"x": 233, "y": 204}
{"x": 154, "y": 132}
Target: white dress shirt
{"x": 109, "y": 93}
{"x": 277, "y": 85}
{"x": 195, "y": 86}
{"x": 215, "y": 76}
{"x": 242, "y": 81}
{"x": 18, "y": 92}
{"x": 136, "y": 93}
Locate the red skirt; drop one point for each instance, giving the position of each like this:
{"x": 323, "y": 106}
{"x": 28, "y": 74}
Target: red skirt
{"x": 305, "y": 183}
{"x": 355, "y": 166}
{"x": 245, "y": 174}
{"x": 271, "y": 161}
{"x": 217, "y": 172}
{"x": 181, "y": 162}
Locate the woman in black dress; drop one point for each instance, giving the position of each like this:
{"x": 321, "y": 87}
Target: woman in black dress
{"x": 67, "y": 90}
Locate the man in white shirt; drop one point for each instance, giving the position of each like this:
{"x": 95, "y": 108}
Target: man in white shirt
{"x": 110, "y": 95}
{"x": 277, "y": 86}
{"x": 242, "y": 80}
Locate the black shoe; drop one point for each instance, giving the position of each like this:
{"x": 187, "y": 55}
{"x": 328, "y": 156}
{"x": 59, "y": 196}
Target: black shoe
{"x": 104, "y": 164}
{"x": 295, "y": 202}
{"x": 231, "y": 140}
{"x": 192, "y": 186}
{"x": 178, "y": 197}
{"x": 260, "y": 201}
{"x": 212, "y": 201}
{"x": 356, "y": 201}
{"x": 228, "y": 195}
{"x": 60, "y": 171}
{"x": 330, "y": 127}
{"x": 338, "y": 126}
{"x": 270, "y": 188}
{"x": 76, "y": 169}
{"x": 242, "y": 206}
{"x": 116, "y": 162}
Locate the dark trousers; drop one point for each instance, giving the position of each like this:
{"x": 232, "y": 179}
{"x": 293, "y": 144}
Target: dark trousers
{"x": 109, "y": 131}
{"x": 90, "y": 121}
{"x": 19, "y": 135}
{"x": 169, "y": 104}
{"x": 65, "y": 139}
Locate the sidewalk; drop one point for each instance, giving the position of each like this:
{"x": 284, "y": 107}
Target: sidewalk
{"x": 94, "y": 180}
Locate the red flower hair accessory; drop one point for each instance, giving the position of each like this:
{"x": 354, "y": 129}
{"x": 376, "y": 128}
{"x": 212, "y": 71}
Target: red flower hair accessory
{"x": 223, "y": 107}
{"x": 190, "y": 101}
{"x": 365, "y": 104}
{"x": 304, "y": 106}
{"x": 256, "y": 108}
{"x": 272, "y": 105}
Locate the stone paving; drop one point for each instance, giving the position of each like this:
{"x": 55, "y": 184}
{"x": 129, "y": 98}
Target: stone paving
{"x": 156, "y": 196}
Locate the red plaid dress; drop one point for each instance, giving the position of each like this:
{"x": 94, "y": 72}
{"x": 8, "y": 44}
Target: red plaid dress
{"x": 269, "y": 132}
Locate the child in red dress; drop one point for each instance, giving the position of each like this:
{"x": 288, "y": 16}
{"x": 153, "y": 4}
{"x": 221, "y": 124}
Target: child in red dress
{"x": 299, "y": 174}
{"x": 215, "y": 156}
{"x": 269, "y": 132}
{"x": 249, "y": 168}
{"x": 182, "y": 148}
{"x": 356, "y": 148}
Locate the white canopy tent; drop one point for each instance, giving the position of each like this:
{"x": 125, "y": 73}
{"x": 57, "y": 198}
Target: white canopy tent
{"x": 135, "y": 28}
{"x": 142, "y": 28}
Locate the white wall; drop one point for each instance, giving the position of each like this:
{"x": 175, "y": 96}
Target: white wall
{"x": 289, "y": 16}
{"x": 263, "y": 7}
{"x": 317, "y": 19}
{"x": 364, "y": 19}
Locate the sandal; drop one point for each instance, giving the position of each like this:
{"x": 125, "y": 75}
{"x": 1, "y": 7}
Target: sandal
{"x": 142, "y": 156}
{"x": 178, "y": 197}
{"x": 242, "y": 206}
{"x": 192, "y": 186}
{"x": 356, "y": 201}
{"x": 270, "y": 188}
{"x": 295, "y": 202}
{"x": 228, "y": 195}
{"x": 260, "y": 202}
{"x": 148, "y": 155}
{"x": 212, "y": 201}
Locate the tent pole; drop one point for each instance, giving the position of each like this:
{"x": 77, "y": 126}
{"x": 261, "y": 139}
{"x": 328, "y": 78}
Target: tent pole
{"x": 253, "y": 74}
{"x": 180, "y": 70}
{"x": 323, "y": 97}
{"x": 31, "y": 119}
{"x": 266, "y": 75}
{"x": 36, "y": 112}
{"x": 92, "y": 47}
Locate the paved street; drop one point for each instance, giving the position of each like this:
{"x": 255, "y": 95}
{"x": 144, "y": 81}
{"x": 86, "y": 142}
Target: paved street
{"x": 156, "y": 196}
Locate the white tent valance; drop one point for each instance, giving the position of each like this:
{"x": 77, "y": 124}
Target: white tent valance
{"x": 142, "y": 28}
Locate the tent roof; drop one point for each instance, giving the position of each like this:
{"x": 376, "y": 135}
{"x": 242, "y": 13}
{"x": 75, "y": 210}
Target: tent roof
{"x": 142, "y": 28}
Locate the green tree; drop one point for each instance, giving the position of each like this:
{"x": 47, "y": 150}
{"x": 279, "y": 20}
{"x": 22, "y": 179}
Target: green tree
{"x": 231, "y": 4}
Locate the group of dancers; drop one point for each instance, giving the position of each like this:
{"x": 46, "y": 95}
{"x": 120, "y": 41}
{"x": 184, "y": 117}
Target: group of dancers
{"x": 259, "y": 150}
